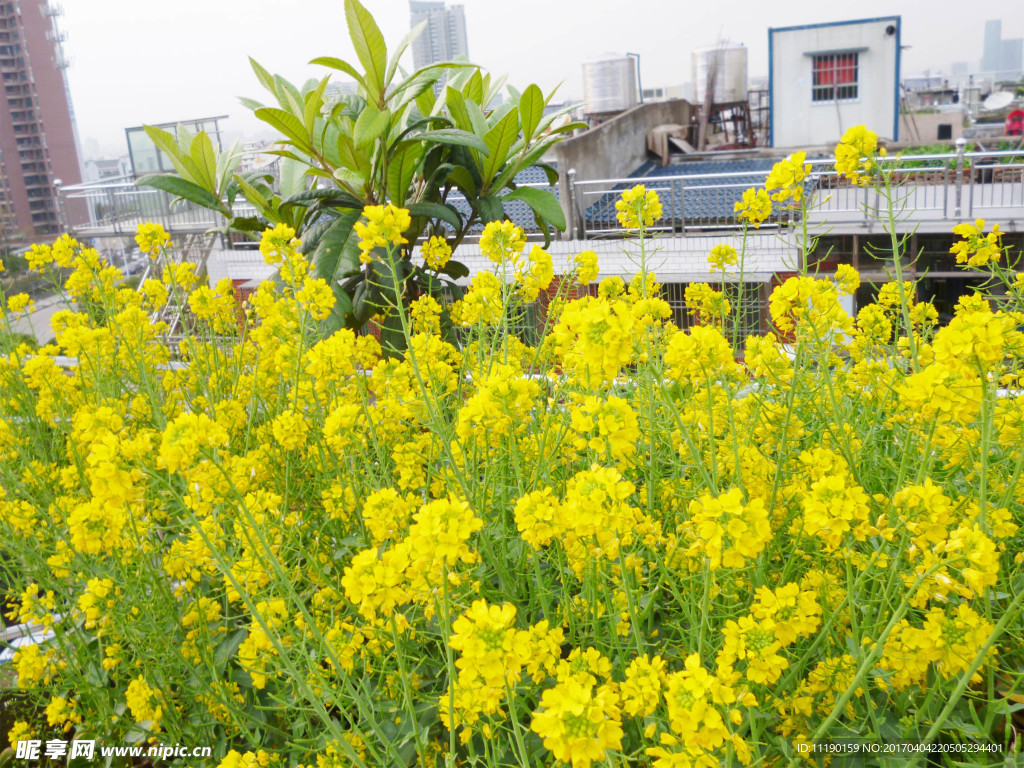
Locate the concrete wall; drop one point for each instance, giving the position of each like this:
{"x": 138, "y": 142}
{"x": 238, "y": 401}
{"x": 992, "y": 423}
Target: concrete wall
{"x": 615, "y": 148}
{"x": 923, "y": 127}
{"x": 797, "y": 120}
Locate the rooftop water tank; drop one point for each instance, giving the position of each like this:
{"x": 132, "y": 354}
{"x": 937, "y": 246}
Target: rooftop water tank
{"x": 609, "y": 84}
{"x": 730, "y": 64}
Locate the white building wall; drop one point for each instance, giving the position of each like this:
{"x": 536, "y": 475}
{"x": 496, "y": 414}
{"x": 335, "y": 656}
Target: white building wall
{"x": 797, "y": 120}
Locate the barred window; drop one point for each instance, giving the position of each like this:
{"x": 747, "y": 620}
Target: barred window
{"x": 835, "y": 77}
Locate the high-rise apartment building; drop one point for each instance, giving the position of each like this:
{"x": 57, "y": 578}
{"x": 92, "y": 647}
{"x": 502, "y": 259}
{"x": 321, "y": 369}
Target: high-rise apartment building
{"x": 1001, "y": 57}
{"x": 38, "y": 143}
{"x": 444, "y": 39}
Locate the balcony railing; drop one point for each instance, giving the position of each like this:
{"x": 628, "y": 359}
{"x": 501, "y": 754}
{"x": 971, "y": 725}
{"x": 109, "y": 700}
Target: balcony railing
{"x": 942, "y": 187}
{"x": 117, "y": 206}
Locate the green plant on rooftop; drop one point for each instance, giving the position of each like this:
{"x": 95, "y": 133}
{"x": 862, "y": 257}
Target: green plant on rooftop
{"x": 399, "y": 141}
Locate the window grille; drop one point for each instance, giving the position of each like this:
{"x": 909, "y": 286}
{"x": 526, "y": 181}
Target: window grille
{"x": 835, "y": 77}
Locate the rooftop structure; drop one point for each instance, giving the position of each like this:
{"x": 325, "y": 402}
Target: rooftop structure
{"x": 826, "y": 78}
{"x": 610, "y": 84}
{"x": 146, "y": 158}
{"x": 38, "y": 141}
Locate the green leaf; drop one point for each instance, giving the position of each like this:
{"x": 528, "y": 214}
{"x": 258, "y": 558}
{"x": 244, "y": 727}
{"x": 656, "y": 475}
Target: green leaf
{"x": 184, "y": 189}
{"x": 266, "y": 79}
{"x": 370, "y": 125}
{"x": 205, "y": 161}
{"x": 498, "y": 141}
{"x": 288, "y": 96}
{"x": 251, "y": 104}
{"x": 476, "y": 118}
{"x": 314, "y": 101}
{"x": 370, "y": 48}
{"x": 490, "y": 208}
{"x": 401, "y": 168}
{"x": 455, "y": 270}
{"x": 256, "y": 197}
{"x": 454, "y": 136}
{"x": 168, "y": 144}
{"x": 227, "y": 647}
{"x": 531, "y": 107}
{"x": 289, "y": 125}
{"x": 463, "y": 179}
{"x": 426, "y": 101}
{"x": 341, "y": 66}
{"x": 457, "y": 109}
{"x": 436, "y": 211}
{"x": 543, "y": 203}
{"x": 474, "y": 90}
{"x": 331, "y": 196}
{"x": 293, "y": 180}
{"x": 337, "y": 252}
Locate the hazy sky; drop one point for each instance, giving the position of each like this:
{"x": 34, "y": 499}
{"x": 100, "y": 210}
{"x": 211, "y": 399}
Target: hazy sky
{"x": 142, "y": 61}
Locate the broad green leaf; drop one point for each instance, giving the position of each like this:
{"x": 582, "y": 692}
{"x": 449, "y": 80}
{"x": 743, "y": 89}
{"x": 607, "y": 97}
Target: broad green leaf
{"x": 266, "y": 79}
{"x": 464, "y": 180}
{"x": 337, "y": 252}
{"x": 341, "y": 66}
{"x": 287, "y": 124}
{"x": 370, "y": 48}
{"x": 454, "y": 136}
{"x": 184, "y": 189}
{"x": 474, "y": 89}
{"x": 370, "y": 125}
{"x": 330, "y": 197}
{"x": 251, "y": 104}
{"x": 476, "y": 118}
{"x": 314, "y": 101}
{"x": 184, "y": 137}
{"x": 426, "y": 101}
{"x": 543, "y": 203}
{"x": 531, "y": 108}
{"x": 166, "y": 143}
{"x": 498, "y": 141}
{"x": 336, "y": 255}
{"x": 401, "y": 169}
{"x": 436, "y": 211}
{"x": 227, "y": 162}
{"x": 205, "y": 161}
{"x": 257, "y": 198}
{"x": 490, "y": 208}
{"x": 457, "y": 109}
{"x": 455, "y": 269}
{"x": 288, "y": 96}
{"x": 293, "y": 179}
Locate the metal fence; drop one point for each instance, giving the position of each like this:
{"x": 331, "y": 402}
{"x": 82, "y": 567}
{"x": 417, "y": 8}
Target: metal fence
{"x": 951, "y": 186}
{"x": 117, "y": 206}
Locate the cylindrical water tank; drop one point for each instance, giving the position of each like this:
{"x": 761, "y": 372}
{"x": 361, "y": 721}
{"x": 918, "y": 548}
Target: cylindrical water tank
{"x": 730, "y": 64}
{"x": 609, "y": 84}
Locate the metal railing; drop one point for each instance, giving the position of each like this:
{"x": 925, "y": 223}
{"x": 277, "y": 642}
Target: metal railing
{"x": 118, "y": 205}
{"x": 953, "y": 186}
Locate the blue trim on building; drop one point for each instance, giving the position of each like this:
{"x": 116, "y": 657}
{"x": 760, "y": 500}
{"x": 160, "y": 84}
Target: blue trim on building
{"x": 836, "y": 24}
{"x": 771, "y": 66}
{"x": 896, "y": 100}
{"x": 771, "y": 91}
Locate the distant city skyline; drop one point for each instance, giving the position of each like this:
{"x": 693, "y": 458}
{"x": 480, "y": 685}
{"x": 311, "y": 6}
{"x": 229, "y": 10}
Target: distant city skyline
{"x": 134, "y": 63}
